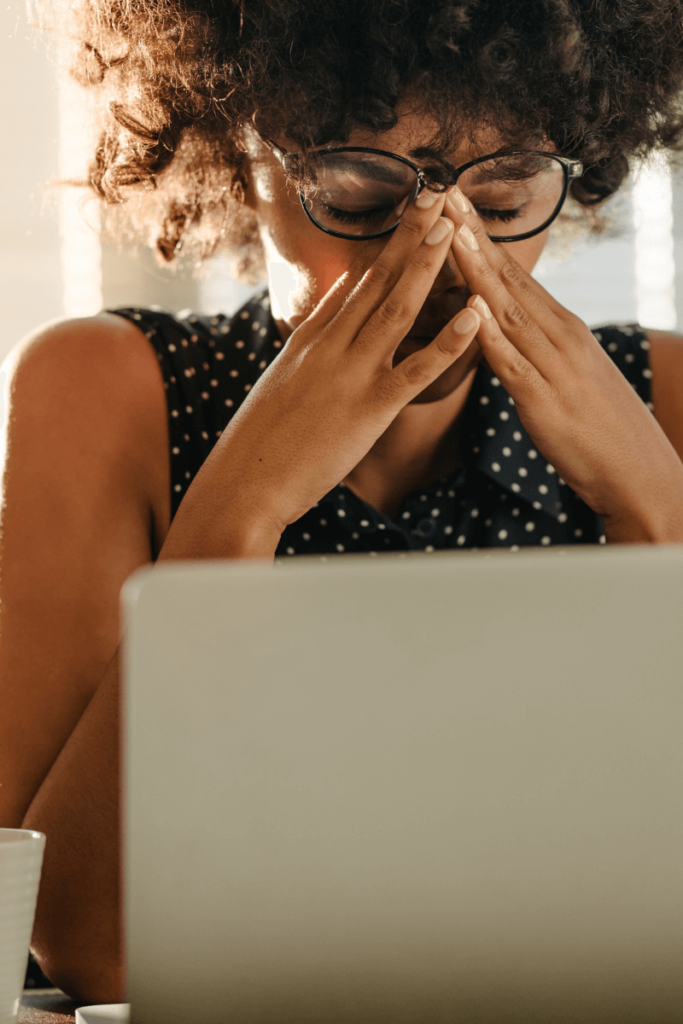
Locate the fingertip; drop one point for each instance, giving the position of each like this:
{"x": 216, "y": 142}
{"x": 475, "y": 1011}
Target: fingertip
{"x": 467, "y": 321}
{"x": 481, "y": 308}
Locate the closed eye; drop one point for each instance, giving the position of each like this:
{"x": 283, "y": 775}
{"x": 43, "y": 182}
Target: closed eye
{"x": 357, "y": 216}
{"x": 486, "y": 213}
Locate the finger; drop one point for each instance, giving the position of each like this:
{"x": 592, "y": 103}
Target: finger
{"x": 531, "y": 295}
{"x": 526, "y": 287}
{"x": 379, "y": 279}
{"x": 524, "y": 328}
{"x": 518, "y": 375}
{"x": 334, "y": 298}
{"x": 394, "y": 317}
{"x": 418, "y": 370}
{"x": 534, "y": 286}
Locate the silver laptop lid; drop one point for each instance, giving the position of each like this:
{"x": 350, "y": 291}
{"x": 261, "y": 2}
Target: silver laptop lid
{"x": 444, "y": 787}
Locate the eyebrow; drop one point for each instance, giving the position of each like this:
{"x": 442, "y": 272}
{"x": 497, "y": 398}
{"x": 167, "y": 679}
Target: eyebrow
{"x": 425, "y": 153}
{"x": 371, "y": 170}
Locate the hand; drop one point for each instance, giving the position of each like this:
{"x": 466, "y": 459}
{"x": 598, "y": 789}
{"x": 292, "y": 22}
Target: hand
{"x": 579, "y": 410}
{"x": 333, "y": 389}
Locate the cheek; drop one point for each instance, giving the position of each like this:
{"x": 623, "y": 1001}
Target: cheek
{"x": 304, "y": 262}
{"x": 527, "y": 252}
{"x": 301, "y": 271}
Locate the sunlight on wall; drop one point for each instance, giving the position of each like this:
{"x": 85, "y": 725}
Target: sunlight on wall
{"x": 30, "y": 275}
{"x": 81, "y": 255}
{"x": 594, "y": 279}
{"x": 653, "y": 224}
{"x": 219, "y": 292}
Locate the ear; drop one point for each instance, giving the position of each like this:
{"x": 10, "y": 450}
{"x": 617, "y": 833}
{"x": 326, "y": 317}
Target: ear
{"x": 250, "y": 148}
{"x": 240, "y": 174}
{"x": 245, "y": 183}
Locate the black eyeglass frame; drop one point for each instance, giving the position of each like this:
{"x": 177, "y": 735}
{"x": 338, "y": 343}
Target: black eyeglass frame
{"x": 571, "y": 169}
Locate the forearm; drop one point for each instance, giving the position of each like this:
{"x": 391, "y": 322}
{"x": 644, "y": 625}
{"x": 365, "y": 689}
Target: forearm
{"x": 217, "y": 519}
{"x": 660, "y": 522}
{"x": 78, "y": 934}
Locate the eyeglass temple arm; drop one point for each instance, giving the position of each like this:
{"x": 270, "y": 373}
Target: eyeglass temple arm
{"x": 278, "y": 152}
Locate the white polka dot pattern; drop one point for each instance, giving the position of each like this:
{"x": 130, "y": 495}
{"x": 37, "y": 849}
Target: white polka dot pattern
{"x": 209, "y": 365}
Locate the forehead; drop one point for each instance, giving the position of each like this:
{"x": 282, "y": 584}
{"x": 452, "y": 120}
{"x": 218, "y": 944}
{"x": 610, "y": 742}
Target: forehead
{"x": 414, "y": 136}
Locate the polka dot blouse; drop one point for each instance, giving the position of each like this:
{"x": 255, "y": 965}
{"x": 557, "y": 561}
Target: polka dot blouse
{"x": 504, "y": 496}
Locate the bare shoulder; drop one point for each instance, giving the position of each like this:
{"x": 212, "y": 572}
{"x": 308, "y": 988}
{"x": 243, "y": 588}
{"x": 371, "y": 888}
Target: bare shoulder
{"x": 666, "y": 363}
{"x": 74, "y": 353}
{"x": 91, "y": 389}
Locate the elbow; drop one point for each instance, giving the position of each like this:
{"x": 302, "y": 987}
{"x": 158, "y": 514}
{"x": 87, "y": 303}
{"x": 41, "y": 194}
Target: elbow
{"x": 78, "y": 928}
{"x": 78, "y": 935}
{"x": 80, "y": 969}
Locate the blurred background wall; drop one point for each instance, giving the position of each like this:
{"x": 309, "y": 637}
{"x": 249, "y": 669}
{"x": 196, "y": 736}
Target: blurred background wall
{"x": 53, "y": 263}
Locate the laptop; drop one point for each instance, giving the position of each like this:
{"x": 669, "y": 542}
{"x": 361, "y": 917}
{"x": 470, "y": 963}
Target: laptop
{"x": 411, "y": 789}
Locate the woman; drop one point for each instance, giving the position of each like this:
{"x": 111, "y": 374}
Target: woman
{"x": 415, "y": 388}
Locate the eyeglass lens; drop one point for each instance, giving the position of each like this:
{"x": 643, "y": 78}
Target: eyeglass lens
{"x": 363, "y": 194}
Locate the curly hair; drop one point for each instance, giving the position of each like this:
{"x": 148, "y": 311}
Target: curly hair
{"x": 179, "y": 79}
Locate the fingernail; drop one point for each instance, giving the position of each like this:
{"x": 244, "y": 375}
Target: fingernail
{"x": 426, "y": 199}
{"x": 466, "y": 322}
{"x": 467, "y": 238}
{"x": 439, "y": 231}
{"x": 482, "y": 308}
{"x": 460, "y": 200}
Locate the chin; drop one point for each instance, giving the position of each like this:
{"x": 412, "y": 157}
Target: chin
{"x": 450, "y": 379}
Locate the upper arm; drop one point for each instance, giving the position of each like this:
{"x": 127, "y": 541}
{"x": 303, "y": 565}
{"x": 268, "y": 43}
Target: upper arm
{"x": 85, "y": 484}
{"x": 666, "y": 363}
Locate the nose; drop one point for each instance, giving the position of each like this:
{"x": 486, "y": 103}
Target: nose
{"x": 449, "y": 277}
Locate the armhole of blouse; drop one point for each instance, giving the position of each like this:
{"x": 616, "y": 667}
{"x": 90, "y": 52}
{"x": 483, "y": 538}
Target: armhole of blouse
{"x": 628, "y": 347}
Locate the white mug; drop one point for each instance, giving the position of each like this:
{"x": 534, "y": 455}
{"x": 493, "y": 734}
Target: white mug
{"x": 21, "y": 858}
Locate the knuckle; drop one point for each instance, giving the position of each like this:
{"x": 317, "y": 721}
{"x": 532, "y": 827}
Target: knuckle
{"x": 488, "y": 275}
{"x": 413, "y": 226}
{"x": 447, "y": 344}
{"x": 388, "y": 388}
{"x": 509, "y": 275}
{"x": 423, "y": 260}
{"x": 393, "y": 312}
{"x": 477, "y": 229}
{"x": 521, "y": 370}
{"x": 575, "y": 324}
{"x": 413, "y": 372}
{"x": 378, "y": 275}
{"x": 514, "y": 317}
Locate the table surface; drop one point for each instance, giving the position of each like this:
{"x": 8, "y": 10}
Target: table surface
{"x": 46, "y": 1006}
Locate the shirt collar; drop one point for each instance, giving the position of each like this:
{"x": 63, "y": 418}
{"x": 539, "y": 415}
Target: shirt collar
{"x": 500, "y": 447}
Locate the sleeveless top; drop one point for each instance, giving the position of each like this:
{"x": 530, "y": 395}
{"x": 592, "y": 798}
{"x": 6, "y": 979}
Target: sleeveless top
{"x": 505, "y": 495}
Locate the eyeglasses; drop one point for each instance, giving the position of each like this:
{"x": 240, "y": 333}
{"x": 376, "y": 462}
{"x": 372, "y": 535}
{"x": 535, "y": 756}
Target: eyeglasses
{"x": 359, "y": 193}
